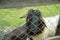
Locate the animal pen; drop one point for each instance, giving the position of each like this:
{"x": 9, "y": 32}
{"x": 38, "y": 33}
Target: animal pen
{"x": 29, "y": 19}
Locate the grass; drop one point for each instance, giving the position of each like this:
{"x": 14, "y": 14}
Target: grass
{"x": 11, "y": 16}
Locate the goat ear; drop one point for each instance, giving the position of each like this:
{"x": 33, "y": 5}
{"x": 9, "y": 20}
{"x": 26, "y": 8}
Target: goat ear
{"x": 24, "y": 16}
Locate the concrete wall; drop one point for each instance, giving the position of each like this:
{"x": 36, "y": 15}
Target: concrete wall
{"x": 23, "y": 3}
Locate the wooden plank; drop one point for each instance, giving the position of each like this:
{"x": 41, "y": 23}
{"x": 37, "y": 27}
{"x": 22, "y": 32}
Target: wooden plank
{"x": 24, "y": 3}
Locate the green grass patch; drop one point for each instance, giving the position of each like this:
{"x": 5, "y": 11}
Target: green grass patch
{"x": 10, "y": 16}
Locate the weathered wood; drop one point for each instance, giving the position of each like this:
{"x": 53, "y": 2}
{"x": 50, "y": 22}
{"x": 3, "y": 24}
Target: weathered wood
{"x": 24, "y": 3}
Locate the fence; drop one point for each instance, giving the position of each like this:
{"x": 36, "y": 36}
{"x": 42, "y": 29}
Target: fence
{"x": 36, "y": 26}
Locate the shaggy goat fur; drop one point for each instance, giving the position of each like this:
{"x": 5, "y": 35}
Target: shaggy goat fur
{"x": 17, "y": 34}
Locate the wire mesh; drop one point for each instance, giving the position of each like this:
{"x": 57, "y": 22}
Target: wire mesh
{"x": 36, "y": 27}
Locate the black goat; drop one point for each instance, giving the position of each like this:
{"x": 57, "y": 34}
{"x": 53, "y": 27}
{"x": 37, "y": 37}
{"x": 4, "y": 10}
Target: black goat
{"x": 20, "y": 32}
